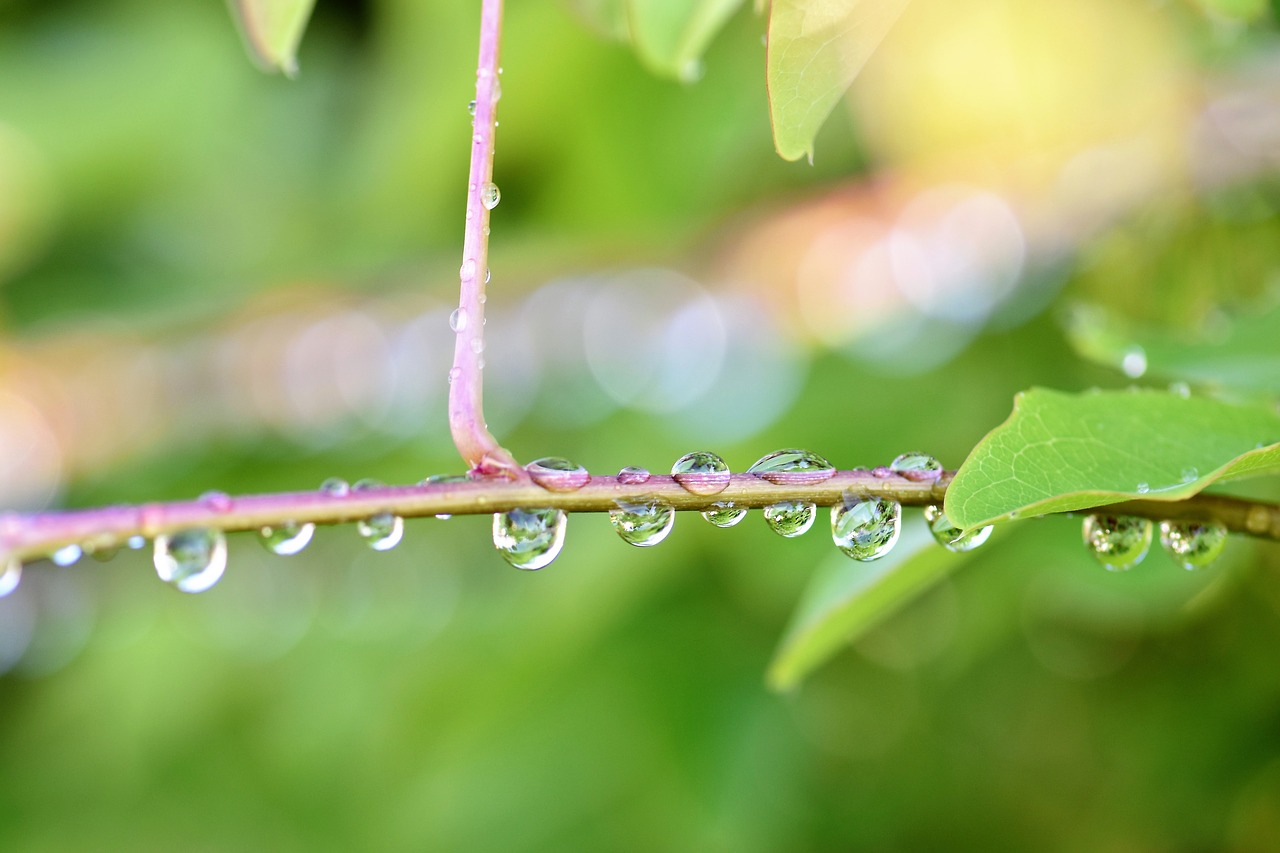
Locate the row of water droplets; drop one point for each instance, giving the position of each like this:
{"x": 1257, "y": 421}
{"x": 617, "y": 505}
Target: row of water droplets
{"x": 1121, "y": 542}
{"x": 864, "y": 528}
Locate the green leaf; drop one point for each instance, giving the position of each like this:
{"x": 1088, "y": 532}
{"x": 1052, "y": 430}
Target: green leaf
{"x": 670, "y": 36}
{"x": 816, "y": 48}
{"x": 1245, "y": 357}
{"x": 846, "y": 599}
{"x": 272, "y": 30}
{"x": 1060, "y": 452}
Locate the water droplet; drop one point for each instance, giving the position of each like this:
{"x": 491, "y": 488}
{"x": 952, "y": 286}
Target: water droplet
{"x": 471, "y": 108}
{"x": 458, "y": 319}
{"x": 488, "y": 275}
{"x": 881, "y": 472}
{"x": 490, "y": 195}
{"x": 137, "y": 543}
{"x": 217, "y": 501}
{"x": 445, "y": 478}
{"x": 724, "y": 514}
{"x": 701, "y": 473}
{"x": 1134, "y": 362}
{"x": 468, "y": 269}
{"x": 477, "y": 345}
{"x": 1193, "y": 545}
{"x": 454, "y": 373}
{"x": 865, "y": 528}
{"x": 67, "y": 555}
{"x": 10, "y": 577}
{"x": 192, "y": 560}
{"x": 632, "y": 476}
{"x": 381, "y": 532}
{"x": 497, "y": 87}
{"x": 103, "y": 552}
{"x": 1180, "y": 389}
{"x": 792, "y": 466}
{"x": 335, "y": 486}
{"x": 642, "y": 522}
{"x": 951, "y": 537}
{"x": 1190, "y": 475}
{"x": 557, "y": 474}
{"x": 529, "y": 538}
{"x": 790, "y": 518}
{"x": 1118, "y": 542}
{"x": 916, "y": 467}
{"x": 287, "y": 539}
{"x": 367, "y": 484}
{"x": 1142, "y": 488}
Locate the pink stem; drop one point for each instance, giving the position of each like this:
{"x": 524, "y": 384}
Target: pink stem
{"x": 466, "y": 410}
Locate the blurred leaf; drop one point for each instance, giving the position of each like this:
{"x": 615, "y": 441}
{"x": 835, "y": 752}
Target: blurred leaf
{"x": 1059, "y": 452}
{"x": 272, "y": 30}
{"x": 1245, "y": 358}
{"x": 846, "y": 599}
{"x": 607, "y": 17}
{"x": 671, "y": 35}
{"x": 816, "y": 48}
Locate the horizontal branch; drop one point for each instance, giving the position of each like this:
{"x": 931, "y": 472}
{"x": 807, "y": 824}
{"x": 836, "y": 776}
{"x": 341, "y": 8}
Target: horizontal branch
{"x": 28, "y": 536}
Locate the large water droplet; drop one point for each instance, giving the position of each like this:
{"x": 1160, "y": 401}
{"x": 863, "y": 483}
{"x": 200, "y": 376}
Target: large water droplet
{"x": 67, "y": 555}
{"x": 951, "y": 537}
{"x": 790, "y": 518}
{"x": 287, "y": 539}
{"x": 701, "y": 473}
{"x": 632, "y": 476}
{"x": 865, "y": 528}
{"x": 529, "y": 538}
{"x": 1118, "y": 542}
{"x": 724, "y": 514}
{"x": 336, "y": 486}
{"x": 792, "y": 466}
{"x": 458, "y": 319}
{"x": 192, "y": 560}
{"x": 1193, "y": 545}
{"x": 916, "y": 467}
{"x": 382, "y": 531}
{"x": 10, "y": 577}
{"x": 642, "y": 522}
{"x": 490, "y": 195}
{"x": 557, "y": 474}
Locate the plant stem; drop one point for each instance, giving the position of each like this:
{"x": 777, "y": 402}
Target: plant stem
{"x": 30, "y": 536}
{"x": 479, "y": 449}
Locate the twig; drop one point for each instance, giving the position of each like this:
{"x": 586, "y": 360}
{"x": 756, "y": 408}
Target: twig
{"x": 29, "y": 536}
{"x": 479, "y": 449}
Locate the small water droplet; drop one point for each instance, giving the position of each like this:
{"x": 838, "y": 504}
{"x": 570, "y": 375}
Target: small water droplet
{"x": 490, "y": 195}
{"x": 557, "y": 474}
{"x": 192, "y": 560}
{"x": 477, "y": 345}
{"x": 468, "y": 269}
{"x": 382, "y": 531}
{"x": 790, "y": 518}
{"x": 137, "y": 543}
{"x": 1180, "y": 389}
{"x": 632, "y": 476}
{"x": 458, "y": 319}
{"x": 454, "y": 373}
{"x": 951, "y": 537}
{"x": 724, "y": 514}
{"x": 792, "y": 466}
{"x": 471, "y": 108}
{"x": 1134, "y": 362}
{"x": 488, "y": 275}
{"x": 287, "y": 539}
{"x": 916, "y": 467}
{"x": 1118, "y": 542}
{"x": 217, "y": 501}
{"x": 642, "y": 522}
{"x": 881, "y": 472}
{"x": 335, "y": 486}
{"x": 1142, "y": 488}
{"x": 1193, "y": 545}
{"x": 529, "y": 538}
{"x": 701, "y": 473}
{"x": 104, "y": 552}
{"x": 67, "y": 555}
{"x": 10, "y": 577}
{"x": 1190, "y": 475}
{"x": 497, "y": 87}
{"x": 865, "y": 528}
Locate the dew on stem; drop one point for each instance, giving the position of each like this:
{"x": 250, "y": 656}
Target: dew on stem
{"x": 642, "y": 522}
{"x": 1193, "y": 545}
{"x": 10, "y": 577}
{"x": 701, "y": 473}
{"x": 792, "y": 466}
{"x": 1118, "y": 542}
{"x": 67, "y": 555}
{"x": 286, "y": 539}
{"x": 916, "y": 467}
{"x": 951, "y": 537}
{"x": 336, "y": 486}
{"x": 192, "y": 560}
{"x": 381, "y": 531}
{"x": 632, "y": 476}
{"x": 865, "y": 528}
{"x": 790, "y": 518}
{"x": 529, "y": 538}
{"x": 490, "y": 195}
{"x": 458, "y": 319}
{"x": 557, "y": 474}
{"x": 724, "y": 514}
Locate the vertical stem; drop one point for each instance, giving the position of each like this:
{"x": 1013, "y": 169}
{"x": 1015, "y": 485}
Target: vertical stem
{"x": 466, "y": 412}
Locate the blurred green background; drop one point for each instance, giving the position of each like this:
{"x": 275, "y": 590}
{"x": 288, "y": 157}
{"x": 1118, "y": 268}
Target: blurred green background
{"x": 215, "y": 279}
